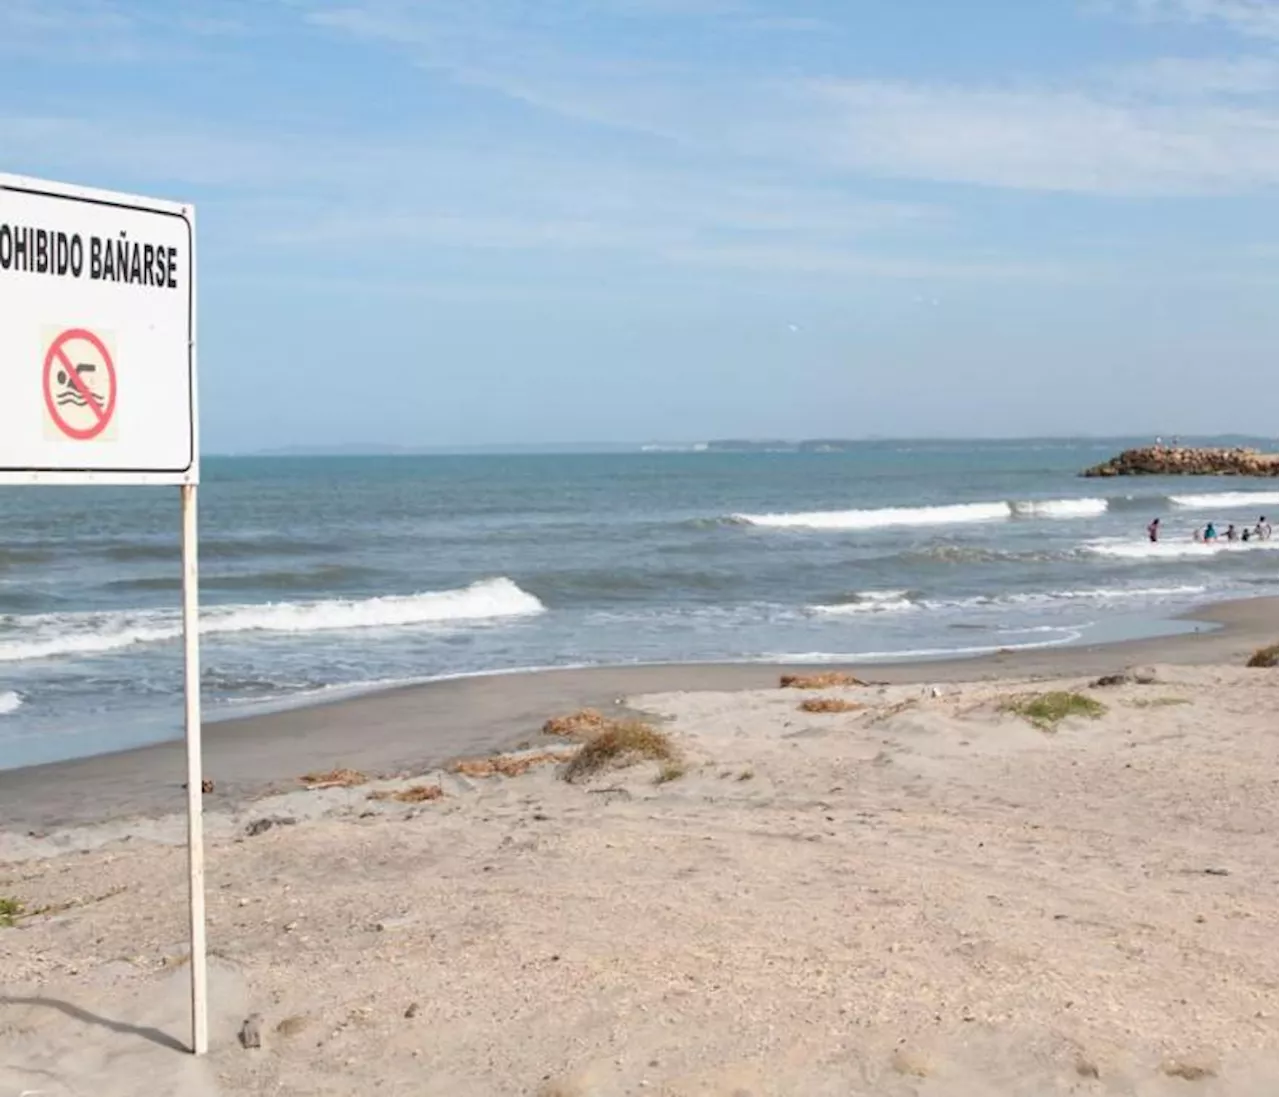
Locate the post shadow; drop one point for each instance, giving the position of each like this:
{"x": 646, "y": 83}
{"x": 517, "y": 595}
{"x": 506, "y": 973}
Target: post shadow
{"x": 78, "y": 1013}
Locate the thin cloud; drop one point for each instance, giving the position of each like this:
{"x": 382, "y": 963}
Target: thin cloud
{"x": 1253, "y": 18}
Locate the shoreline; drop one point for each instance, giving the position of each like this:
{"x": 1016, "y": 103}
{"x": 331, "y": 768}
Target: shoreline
{"x": 418, "y": 727}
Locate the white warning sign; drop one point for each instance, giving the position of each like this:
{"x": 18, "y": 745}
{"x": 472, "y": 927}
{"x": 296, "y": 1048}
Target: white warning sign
{"x": 97, "y": 348}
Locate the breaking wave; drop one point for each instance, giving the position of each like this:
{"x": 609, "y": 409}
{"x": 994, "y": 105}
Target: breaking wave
{"x": 954, "y": 513}
{"x": 1171, "y": 550}
{"x": 48, "y": 635}
{"x": 946, "y": 514}
{"x": 10, "y": 701}
{"x": 876, "y": 519}
{"x": 1060, "y": 508}
{"x": 899, "y": 601}
{"x": 1227, "y": 500}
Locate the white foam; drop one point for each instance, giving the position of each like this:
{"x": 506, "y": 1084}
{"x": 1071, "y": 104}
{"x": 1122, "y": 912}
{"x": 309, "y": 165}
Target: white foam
{"x": 884, "y": 516}
{"x": 870, "y": 601}
{"x": 1060, "y": 508}
{"x": 1172, "y": 550}
{"x": 1226, "y": 500}
{"x": 48, "y": 635}
{"x": 1068, "y": 636}
{"x": 10, "y": 701}
{"x": 897, "y": 601}
{"x": 1100, "y": 595}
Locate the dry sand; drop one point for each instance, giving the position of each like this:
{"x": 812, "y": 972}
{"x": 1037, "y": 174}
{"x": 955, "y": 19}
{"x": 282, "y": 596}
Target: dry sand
{"x": 925, "y": 895}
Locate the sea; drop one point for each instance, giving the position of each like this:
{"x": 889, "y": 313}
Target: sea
{"x": 325, "y": 576}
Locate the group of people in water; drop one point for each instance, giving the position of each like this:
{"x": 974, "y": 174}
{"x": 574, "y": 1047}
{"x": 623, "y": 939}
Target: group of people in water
{"x": 1260, "y": 532}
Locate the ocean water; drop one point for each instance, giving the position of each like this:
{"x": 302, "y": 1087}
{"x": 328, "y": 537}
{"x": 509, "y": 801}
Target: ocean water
{"x": 321, "y": 575}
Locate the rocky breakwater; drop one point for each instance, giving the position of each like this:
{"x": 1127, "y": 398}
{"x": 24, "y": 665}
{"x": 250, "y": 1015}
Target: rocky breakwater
{"x": 1188, "y": 461}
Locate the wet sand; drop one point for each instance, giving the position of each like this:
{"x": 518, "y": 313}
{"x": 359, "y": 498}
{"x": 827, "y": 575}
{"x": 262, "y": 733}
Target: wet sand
{"x": 416, "y": 728}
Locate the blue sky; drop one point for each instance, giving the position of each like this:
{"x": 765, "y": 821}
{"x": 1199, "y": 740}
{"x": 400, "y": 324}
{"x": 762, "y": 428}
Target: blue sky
{"x": 486, "y": 221}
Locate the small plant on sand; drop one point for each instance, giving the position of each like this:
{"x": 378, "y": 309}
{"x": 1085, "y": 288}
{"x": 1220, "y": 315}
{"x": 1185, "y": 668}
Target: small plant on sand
{"x": 333, "y": 778}
{"x": 414, "y": 794}
{"x": 583, "y": 724}
{"x": 1047, "y": 710}
{"x": 829, "y": 704}
{"x": 825, "y": 680}
{"x": 10, "y": 911}
{"x": 746, "y": 775}
{"x": 670, "y": 771}
{"x": 623, "y": 743}
{"x": 1264, "y": 657}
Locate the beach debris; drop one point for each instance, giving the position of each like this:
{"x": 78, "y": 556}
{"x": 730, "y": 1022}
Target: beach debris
{"x": 291, "y": 1026}
{"x": 829, "y": 704}
{"x": 508, "y": 765}
{"x": 414, "y": 794}
{"x": 333, "y": 778}
{"x": 624, "y": 743}
{"x": 1216, "y": 872}
{"x": 1137, "y": 676}
{"x": 1047, "y": 710}
{"x": 387, "y": 925}
{"x": 582, "y": 724}
{"x": 251, "y": 1031}
{"x": 1265, "y": 657}
{"x": 1192, "y": 1072}
{"x": 206, "y": 786}
{"x": 261, "y": 826}
{"x": 825, "y": 680}
{"x": 411, "y": 1011}
{"x": 610, "y": 794}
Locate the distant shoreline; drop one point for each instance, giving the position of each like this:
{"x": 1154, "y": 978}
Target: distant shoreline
{"x": 419, "y": 727}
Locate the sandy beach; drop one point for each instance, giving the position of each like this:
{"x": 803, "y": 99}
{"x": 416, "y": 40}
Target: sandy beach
{"x": 929, "y": 889}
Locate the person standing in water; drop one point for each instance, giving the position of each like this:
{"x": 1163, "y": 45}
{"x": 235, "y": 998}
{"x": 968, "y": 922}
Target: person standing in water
{"x": 1153, "y": 530}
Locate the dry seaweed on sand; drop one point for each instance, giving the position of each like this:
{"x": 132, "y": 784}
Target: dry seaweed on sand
{"x": 582, "y": 724}
{"x": 414, "y": 794}
{"x": 508, "y": 765}
{"x": 825, "y": 680}
{"x": 334, "y": 778}
{"x": 623, "y": 743}
{"x": 830, "y": 704}
{"x": 1047, "y": 710}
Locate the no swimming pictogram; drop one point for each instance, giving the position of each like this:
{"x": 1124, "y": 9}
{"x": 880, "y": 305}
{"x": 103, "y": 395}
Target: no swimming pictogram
{"x": 79, "y": 384}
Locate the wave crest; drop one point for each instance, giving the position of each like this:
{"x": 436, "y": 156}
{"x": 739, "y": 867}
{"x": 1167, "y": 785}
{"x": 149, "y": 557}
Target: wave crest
{"x": 879, "y": 518}
{"x": 1227, "y": 500}
{"x": 1060, "y": 508}
{"x": 52, "y": 635}
{"x": 10, "y": 701}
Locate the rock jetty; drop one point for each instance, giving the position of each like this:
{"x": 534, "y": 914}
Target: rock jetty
{"x": 1188, "y": 461}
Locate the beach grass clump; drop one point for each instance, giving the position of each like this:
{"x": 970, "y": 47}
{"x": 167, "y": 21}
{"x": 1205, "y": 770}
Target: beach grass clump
{"x": 829, "y": 704}
{"x": 623, "y": 743}
{"x": 10, "y": 910}
{"x": 1264, "y": 657}
{"x": 825, "y": 680}
{"x": 583, "y": 724}
{"x": 508, "y": 765}
{"x": 1047, "y": 710}
{"x": 334, "y": 778}
{"x": 414, "y": 794}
